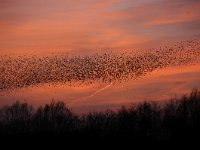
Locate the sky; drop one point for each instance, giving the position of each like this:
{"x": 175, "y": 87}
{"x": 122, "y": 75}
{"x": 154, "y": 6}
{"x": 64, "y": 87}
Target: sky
{"x": 88, "y": 25}
{"x": 159, "y": 86}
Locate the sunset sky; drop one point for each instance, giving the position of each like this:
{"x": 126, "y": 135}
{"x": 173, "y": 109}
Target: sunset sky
{"x": 43, "y": 27}
{"x": 86, "y": 25}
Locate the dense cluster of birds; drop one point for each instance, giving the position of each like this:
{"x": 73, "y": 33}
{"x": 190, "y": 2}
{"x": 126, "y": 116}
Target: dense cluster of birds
{"x": 23, "y": 71}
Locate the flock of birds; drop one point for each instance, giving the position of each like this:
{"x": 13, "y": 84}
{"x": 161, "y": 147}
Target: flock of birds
{"x": 24, "y": 71}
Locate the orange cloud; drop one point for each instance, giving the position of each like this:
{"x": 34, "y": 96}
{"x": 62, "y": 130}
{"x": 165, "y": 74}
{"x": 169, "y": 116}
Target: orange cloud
{"x": 100, "y": 24}
{"x": 184, "y": 14}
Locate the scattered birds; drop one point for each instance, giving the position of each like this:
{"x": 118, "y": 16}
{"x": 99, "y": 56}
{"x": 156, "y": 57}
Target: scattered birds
{"x": 24, "y": 71}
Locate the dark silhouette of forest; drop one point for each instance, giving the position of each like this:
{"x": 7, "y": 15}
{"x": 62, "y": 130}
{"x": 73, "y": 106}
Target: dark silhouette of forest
{"x": 178, "y": 119}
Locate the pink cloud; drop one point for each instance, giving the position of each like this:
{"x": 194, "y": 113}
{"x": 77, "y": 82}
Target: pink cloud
{"x": 85, "y": 25}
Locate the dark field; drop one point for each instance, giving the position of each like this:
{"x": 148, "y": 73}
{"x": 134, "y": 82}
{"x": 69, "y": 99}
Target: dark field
{"x": 177, "y": 120}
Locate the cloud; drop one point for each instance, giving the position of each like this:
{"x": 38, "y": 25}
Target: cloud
{"x": 94, "y": 24}
{"x": 177, "y": 12}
